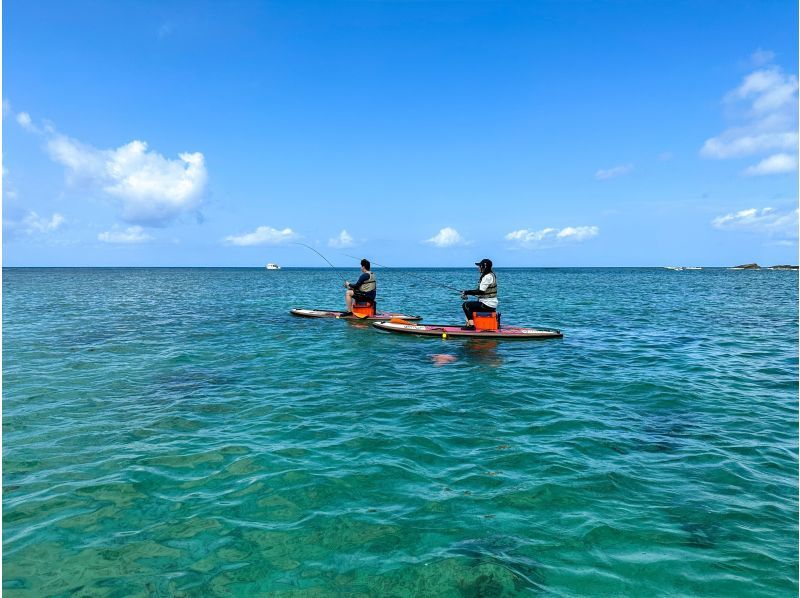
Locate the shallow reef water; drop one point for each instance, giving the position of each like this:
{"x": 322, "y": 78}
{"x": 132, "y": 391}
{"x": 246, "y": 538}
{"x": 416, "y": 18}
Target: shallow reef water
{"x": 176, "y": 432}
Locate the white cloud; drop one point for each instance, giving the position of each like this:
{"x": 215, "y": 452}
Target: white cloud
{"x": 24, "y": 120}
{"x": 343, "y": 240}
{"x": 737, "y": 144}
{"x": 610, "y": 173}
{"x": 447, "y": 237}
{"x": 263, "y": 235}
{"x": 578, "y": 233}
{"x": 764, "y": 108}
{"x": 33, "y": 223}
{"x": 152, "y": 189}
{"x": 524, "y": 235}
{"x": 130, "y": 236}
{"x": 83, "y": 161}
{"x": 773, "y": 165}
{"x": 767, "y": 221}
{"x": 549, "y": 237}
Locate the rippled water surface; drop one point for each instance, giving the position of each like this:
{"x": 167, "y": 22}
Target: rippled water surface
{"x": 177, "y": 432}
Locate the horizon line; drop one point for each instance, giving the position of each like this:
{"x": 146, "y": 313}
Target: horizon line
{"x": 398, "y": 267}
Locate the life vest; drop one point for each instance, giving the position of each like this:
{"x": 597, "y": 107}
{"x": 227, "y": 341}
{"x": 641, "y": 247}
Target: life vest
{"x": 491, "y": 290}
{"x": 369, "y": 285}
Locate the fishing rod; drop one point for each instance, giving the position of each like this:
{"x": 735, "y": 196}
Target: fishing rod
{"x": 441, "y": 284}
{"x": 324, "y": 258}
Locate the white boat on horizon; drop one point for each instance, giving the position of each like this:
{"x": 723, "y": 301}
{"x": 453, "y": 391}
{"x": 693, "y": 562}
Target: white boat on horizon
{"x": 272, "y": 266}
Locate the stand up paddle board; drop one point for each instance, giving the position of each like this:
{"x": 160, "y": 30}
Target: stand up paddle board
{"x": 442, "y": 331}
{"x": 324, "y": 313}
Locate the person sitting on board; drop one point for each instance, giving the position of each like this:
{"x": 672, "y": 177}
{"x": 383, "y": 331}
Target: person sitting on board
{"x": 486, "y": 293}
{"x": 364, "y": 289}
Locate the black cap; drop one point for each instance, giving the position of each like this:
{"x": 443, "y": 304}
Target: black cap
{"x": 485, "y": 264}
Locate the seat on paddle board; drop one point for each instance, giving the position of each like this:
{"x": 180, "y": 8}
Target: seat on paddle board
{"x": 486, "y": 320}
{"x": 364, "y": 308}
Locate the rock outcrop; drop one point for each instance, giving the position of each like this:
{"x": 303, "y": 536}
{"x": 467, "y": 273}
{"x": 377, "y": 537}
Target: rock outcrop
{"x": 748, "y": 267}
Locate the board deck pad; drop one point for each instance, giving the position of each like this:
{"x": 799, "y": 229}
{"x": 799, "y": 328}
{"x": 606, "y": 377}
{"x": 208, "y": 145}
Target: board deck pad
{"x": 441, "y": 330}
{"x": 327, "y": 313}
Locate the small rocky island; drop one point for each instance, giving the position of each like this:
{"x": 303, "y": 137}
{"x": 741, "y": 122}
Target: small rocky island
{"x": 757, "y": 267}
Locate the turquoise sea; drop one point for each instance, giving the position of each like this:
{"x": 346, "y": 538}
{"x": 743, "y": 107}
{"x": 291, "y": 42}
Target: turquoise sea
{"x": 175, "y": 432}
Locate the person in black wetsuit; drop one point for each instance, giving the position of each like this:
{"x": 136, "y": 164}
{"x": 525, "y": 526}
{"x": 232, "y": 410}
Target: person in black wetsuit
{"x": 364, "y": 289}
{"x": 486, "y": 292}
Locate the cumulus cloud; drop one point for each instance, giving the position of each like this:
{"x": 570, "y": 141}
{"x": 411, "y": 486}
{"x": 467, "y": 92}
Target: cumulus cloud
{"x": 773, "y": 165}
{"x": 578, "y": 233}
{"x": 769, "y": 221}
{"x": 741, "y": 144}
{"x": 18, "y": 221}
{"x": 447, "y": 237}
{"x": 549, "y": 237}
{"x": 152, "y": 189}
{"x": 343, "y": 240}
{"x": 764, "y": 109}
{"x": 610, "y": 173}
{"x": 263, "y": 235}
{"x": 24, "y": 120}
{"x": 33, "y": 223}
{"x": 129, "y": 236}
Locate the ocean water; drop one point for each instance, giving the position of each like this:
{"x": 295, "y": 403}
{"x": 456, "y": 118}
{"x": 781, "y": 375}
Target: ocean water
{"x": 175, "y": 432}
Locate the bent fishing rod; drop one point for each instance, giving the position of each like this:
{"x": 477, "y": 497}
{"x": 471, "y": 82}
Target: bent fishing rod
{"x": 324, "y": 258}
{"x": 441, "y": 284}
{"x": 426, "y": 278}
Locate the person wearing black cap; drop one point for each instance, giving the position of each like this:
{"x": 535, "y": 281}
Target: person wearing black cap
{"x": 486, "y": 292}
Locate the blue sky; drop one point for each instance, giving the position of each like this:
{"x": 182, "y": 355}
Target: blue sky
{"x": 413, "y": 133}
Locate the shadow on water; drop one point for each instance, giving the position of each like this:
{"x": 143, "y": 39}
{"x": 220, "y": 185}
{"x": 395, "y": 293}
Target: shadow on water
{"x": 483, "y": 351}
{"x": 667, "y": 433}
{"x": 472, "y": 351}
{"x": 491, "y": 559}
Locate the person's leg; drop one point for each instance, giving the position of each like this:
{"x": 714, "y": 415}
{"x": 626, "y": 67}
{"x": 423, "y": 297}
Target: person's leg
{"x": 469, "y": 308}
{"x": 348, "y": 300}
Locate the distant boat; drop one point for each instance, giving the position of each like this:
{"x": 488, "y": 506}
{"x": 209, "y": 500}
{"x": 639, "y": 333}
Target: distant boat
{"x": 273, "y": 267}
{"x": 678, "y": 268}
{"x": 693, "y": 268}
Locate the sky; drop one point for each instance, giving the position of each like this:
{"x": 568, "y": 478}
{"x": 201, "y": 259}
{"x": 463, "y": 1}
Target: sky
{"x": 412, "y": 133}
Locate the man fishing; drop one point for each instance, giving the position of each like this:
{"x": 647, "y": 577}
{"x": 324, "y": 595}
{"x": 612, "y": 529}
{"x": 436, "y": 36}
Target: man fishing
{"x": 364, "y": 289}
{"x": 486, "y": 293}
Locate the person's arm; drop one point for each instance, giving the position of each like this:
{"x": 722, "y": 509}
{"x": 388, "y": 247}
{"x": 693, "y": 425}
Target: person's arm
{"x": 479, "y": 291}
{"x": 361, "y": 280}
